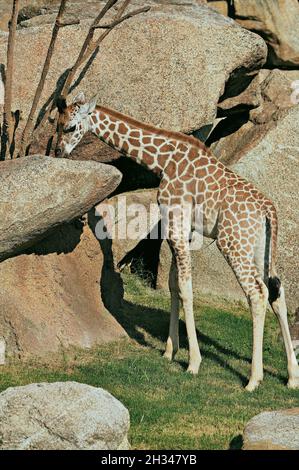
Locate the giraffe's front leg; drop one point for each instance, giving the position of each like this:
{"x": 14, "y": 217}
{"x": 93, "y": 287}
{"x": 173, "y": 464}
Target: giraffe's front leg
{"x": 172, "y": 344}
{"x": 186, "y": 295}
{"x": 183, "y": 261}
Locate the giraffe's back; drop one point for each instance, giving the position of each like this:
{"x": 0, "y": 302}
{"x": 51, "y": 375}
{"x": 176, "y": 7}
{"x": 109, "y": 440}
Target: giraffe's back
{"x": 195, "y": 176}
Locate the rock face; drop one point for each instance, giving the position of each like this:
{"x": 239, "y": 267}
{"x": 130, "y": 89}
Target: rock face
{"x": 274, "y": 93}
{"x": 51, "y": 296}
{"x": 183, "y": 97}
{"x": 273, "y": 430}
{"x": 278, "y": 22}
{"x": 277, "y": 95}
{"x": 219, "y": 5}
{"x": 29, "y": 6}
{"x": 62, "y": 416}
{"x": 38, "y": 193}
{"x": 132, "y": 216}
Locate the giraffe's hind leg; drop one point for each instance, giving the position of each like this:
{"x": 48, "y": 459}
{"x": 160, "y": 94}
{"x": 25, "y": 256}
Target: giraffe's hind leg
{"x": 172, "y": 344}
{"x": 278, "y": 303}
{"x": 280, "y": 309}
{"x": 257, "y": 300}
{"x": 243, "y": 264}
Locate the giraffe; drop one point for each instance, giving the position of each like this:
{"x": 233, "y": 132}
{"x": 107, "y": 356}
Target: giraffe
{"x": 235, "y": 214}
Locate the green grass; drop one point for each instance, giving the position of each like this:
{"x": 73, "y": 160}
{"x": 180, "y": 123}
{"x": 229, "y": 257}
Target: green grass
{"x": 170, "y": 409}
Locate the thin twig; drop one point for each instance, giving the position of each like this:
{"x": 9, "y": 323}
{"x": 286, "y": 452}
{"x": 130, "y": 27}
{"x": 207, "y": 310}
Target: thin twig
{"x": 120, "y": 20}
{"x": 26, "y": 136}
{"x": 122, "y": 8}
{"x": 8, "y": 124}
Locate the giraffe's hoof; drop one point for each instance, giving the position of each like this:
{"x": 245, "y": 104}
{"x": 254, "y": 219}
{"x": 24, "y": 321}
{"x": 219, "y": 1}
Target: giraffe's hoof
{"x": 293, "y": 383}
{"x": 252, "y": 385}
{"x": 168, "y": 356}
{"x": 193, "y": 370}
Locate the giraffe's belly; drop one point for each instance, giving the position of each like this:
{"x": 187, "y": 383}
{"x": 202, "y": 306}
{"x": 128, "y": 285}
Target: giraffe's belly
{"x": 206, "y": 222}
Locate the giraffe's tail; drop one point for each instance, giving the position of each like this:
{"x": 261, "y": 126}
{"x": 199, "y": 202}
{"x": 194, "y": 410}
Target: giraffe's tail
{"x": 274, "y": 282}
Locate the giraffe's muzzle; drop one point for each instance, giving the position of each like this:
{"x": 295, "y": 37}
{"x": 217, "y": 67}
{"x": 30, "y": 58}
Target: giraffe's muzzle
{"x": 58, "y": 152}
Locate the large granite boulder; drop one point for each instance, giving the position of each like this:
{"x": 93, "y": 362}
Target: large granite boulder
{"x": 273, "y": 430}
{"x": 169, "y": 86}
{"x": 274, "y": 91}
{"x": 62, "y": 416}
{"x": 277, "y": 21}
{"x": 51, "y": 297}
{"x": 38, "y": 193}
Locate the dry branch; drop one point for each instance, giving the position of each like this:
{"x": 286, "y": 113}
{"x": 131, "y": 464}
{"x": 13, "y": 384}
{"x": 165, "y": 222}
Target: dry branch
{"x": 8, "y": 122}
{"x": 26, "y": 136}
{"x": 122, "y": 8}
{"x": 120, "y": 20}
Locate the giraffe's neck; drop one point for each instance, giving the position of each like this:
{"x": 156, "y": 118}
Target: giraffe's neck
{"x": 145, "y": 144}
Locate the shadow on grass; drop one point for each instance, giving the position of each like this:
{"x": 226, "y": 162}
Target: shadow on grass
{"x": 136, "y": 318}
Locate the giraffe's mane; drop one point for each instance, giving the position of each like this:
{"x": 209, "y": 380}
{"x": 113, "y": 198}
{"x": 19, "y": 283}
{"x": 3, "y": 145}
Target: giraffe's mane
{"x": 156, "y": 130}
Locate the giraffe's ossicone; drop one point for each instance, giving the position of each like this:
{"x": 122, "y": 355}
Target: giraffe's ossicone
{"x": 235, "y": 213}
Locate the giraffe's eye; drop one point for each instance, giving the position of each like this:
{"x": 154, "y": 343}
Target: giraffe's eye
{"x": 69, "y": 130}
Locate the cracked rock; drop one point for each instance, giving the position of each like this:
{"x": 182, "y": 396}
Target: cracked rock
{"x": 62, "y": 416}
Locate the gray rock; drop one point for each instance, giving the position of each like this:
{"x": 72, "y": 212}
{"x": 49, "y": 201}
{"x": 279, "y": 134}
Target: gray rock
{"x": 273, "y": 430}
{"x": 37, "y": 193}
{"x": 278, "y": 22}
{"x": 277, "y": 95}
{"x": 50, "y": 296}
{"x": 219, "y": 5}
{"x": 62, "y": 416}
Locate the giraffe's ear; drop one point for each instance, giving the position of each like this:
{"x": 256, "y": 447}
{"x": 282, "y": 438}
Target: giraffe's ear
{"x": 80, "y": 98}
{"x": 88, "y": 108}
{"x": 92, "y": 104}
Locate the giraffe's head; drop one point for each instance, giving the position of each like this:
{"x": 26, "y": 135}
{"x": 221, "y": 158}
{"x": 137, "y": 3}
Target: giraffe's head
{"x": 73, "y": 123}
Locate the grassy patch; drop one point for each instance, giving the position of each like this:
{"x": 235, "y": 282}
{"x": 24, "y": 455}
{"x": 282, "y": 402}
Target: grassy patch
{"x": 170, "y": 409}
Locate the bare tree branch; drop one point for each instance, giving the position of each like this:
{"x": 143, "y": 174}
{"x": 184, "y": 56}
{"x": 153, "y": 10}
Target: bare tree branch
{"x": 120, "y": 20}
{"x": 8, "y": 122}
{"x": 122, "y": 8}
{"x": 26, "y": 136}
